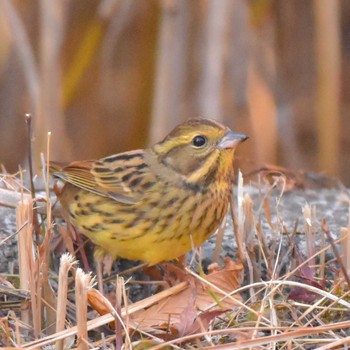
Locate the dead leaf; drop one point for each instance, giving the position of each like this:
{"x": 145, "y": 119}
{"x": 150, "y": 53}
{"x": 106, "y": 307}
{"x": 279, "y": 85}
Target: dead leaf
{"x": 185, "y": 312}
{"x": 301, "y": 294}
{"x": 96, "y": 301}
{"x": 181, "y": 313}
{"x": 187, "y": 318}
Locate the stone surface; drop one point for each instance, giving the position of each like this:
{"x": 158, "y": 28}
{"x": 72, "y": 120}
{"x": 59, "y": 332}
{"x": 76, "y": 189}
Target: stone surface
{"x": 287, "y": 211}
{"x": 8, "y": 249}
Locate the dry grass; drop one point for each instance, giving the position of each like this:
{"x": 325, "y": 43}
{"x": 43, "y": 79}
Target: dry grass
{"x": 292, "y": 299}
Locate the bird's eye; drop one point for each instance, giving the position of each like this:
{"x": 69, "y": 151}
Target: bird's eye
{"x": 199, "y": 141}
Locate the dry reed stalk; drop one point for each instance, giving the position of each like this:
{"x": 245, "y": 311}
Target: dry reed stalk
{"x": 66, "y": 263}
{"x": 6, "y": 331}
{"x": 261, "y": 313}
{"x": 18, "y": 329}
{"x": 247, "y": 206}
{"x": 340, "y": 261}
{"x": 263, "y": 250}
{"x": 310, "y": 231}
{"x": 120, "y": 15}
{"x": 84, "y": 55}
{"x": 11, "y": 183}
{"x": 21, "y": 43}
{"x": 214, "y": 39}
{"x": 328, "y": 84}
{"x": 170, "y": 67}
{"x": 103, "y": 320}
{"x": 301, "y": 331}
{"x": 336, "y": 343}
{"x": 345, "y": 244}
{"x": 46, "y": 173}
{"x": 269, "y": 296}
{"x": 36, "y": 225}
{"x": 126, "y": 316}
{"x": 238, "y": 220}
{"x": 274, "y": 320}
{"x": 28, "y": 268}
{"x": 278, "y": 227}
{"x": 10, "y": 199}
{"x": 48, "y": 295}
{"x": 249, "y": 226}
{"x": 267, "y": 209}
{"x": 273, "y": 285}
{"x": 263, "y": 115}
{"x": 285, "y": 334}
{"x": 322, "y": 269}
{"x": 288, "y": 333}
{"x": 52, "y": 28}
{"x": 245, "y": 224}
{"x": 83, "y": 283}
{"x": 118, "y": 324}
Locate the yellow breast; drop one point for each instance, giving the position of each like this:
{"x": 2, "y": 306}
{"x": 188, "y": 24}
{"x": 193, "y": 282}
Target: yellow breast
{"x": 162, "y": 227}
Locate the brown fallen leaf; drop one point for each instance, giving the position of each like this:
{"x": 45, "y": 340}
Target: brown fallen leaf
{"x": 188, "y": 311}
{"x": 97, "y": 302}
{"x": 191, "y": 323}
{"x": 182, "y": 313}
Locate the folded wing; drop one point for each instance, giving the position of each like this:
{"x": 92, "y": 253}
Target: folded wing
{"x": 117, "y": 176}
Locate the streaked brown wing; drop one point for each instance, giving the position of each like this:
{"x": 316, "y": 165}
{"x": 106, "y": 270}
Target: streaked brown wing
{"x": 114, "y": 176}
{"x": 76, "y": 173}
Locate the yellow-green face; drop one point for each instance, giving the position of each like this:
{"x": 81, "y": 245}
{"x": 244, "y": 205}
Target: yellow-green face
{"x": 198, "y": 146}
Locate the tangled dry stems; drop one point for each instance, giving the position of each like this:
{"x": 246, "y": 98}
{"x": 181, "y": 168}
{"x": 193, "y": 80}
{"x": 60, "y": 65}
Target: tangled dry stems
{"x": 267, "y": 318}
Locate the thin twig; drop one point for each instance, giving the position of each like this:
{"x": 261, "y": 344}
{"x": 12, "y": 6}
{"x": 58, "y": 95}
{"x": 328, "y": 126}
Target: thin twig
{"x": 36, "y": 226}
{"x": 28, "y": 120}
{"x": 118, "y": 308}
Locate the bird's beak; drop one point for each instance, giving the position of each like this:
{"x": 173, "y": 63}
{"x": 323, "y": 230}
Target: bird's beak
{"x": 231, "y": 140}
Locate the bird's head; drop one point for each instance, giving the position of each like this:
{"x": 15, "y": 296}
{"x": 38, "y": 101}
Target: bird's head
{"x": 199, "y": 147}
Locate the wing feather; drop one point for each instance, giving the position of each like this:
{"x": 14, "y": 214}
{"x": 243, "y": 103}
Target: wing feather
{"x": 111, "y": 177}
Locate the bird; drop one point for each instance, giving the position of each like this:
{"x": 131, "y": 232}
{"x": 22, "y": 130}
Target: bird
{"x": 153, "y": 204}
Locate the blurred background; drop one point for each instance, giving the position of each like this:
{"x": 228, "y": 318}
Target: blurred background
{"x": 113, "y": 75}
